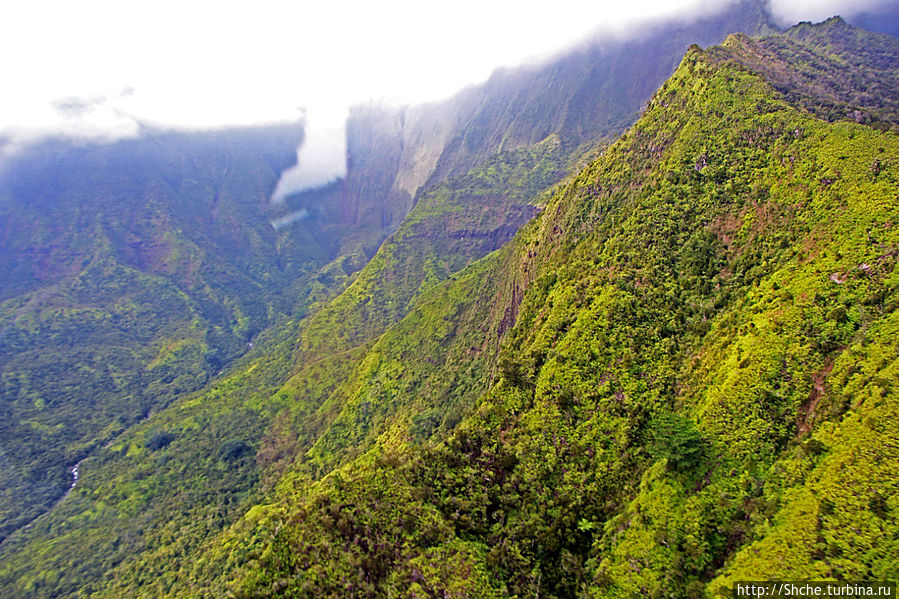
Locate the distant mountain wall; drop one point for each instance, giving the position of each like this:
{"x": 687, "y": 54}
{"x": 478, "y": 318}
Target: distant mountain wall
{"x": 582, "y": 96}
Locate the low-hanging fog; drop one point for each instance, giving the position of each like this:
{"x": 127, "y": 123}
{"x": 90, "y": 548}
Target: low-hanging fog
{"x": 101, "y": 69}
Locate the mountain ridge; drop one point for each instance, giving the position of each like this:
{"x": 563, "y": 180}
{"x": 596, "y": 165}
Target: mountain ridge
{"x": 599, "y": 396}
{"x": 535, "y": 420}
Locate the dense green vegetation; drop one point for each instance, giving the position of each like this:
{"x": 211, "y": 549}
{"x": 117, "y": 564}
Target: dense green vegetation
{"x": 160, "y": 488}
{"x": 122, "y": 290}
{"x": 699, "y": 388}
{"x": 681, "y": 372}
{"x": 834, "y": 71}
{"x": 487, "y": 205}
{"x": 128, "y": 288}
{"x": 134, "y": 272}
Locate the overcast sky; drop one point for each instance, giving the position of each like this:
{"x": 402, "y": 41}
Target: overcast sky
{"x": 97, "y": 66}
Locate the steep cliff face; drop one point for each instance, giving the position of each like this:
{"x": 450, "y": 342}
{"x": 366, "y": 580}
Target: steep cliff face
{"x": 471, "y": 169}
{"x": 374, "y": 148}
{"x": 580, "y": 97}
{"x": 429, "y": 128}
{"x": 584, "y": 95}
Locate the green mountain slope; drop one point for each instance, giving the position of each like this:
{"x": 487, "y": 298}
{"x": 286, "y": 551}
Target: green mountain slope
{"x": 200, "y": 248}
{"x": 527, "y": 140}
{"x": 133, "y": 273}
{"x": 844, "y": 72}
{"x": 699, "y": 387}
{"x": 638, "y": 394}
{"x": 135, "y": 492}
{"x": 135, "y": 498}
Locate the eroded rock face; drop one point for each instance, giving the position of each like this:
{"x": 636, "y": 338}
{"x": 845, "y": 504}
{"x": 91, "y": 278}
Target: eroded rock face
{"x": 374, "y": 150}
{"x": 583, "y": 96}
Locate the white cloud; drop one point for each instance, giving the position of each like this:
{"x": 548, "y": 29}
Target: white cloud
{"x": 289, "y": 219}
{"x": 321, "y": 158}
{"x": 204, "y": 63}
